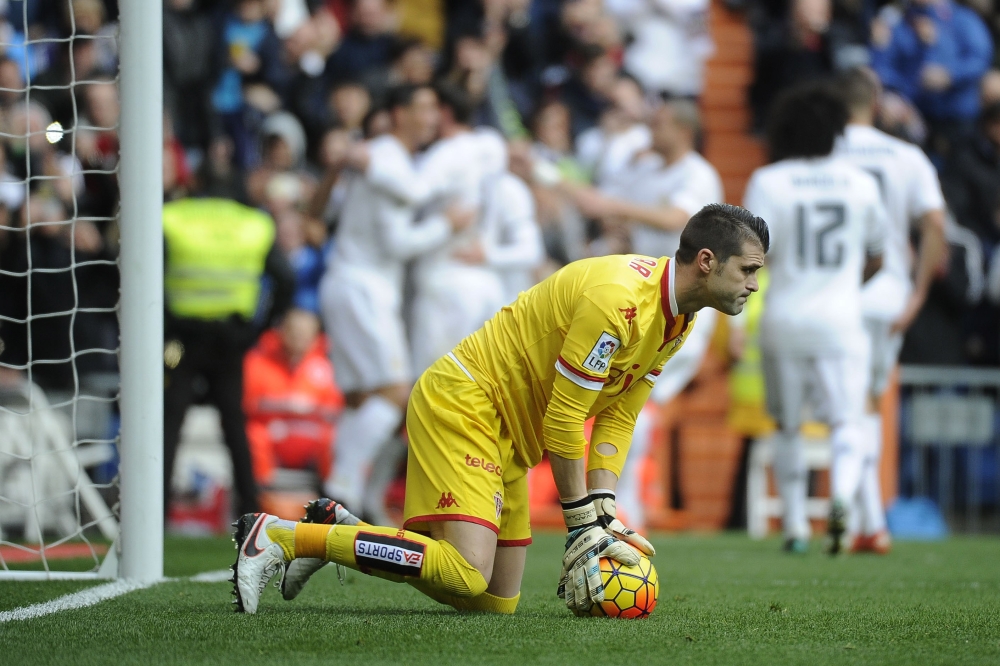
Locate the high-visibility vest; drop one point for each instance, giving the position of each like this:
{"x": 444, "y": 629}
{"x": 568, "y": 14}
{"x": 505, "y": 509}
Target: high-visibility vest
{"x": 216, "y": 250}
{"x": 748, "y": 413}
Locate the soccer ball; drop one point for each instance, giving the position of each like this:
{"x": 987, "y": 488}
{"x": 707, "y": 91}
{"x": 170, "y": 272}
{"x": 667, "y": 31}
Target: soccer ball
{"x": 629, "y": 591}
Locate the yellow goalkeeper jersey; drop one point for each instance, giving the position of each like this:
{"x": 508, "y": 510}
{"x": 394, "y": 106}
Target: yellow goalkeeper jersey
{"x": 588, "y": 341}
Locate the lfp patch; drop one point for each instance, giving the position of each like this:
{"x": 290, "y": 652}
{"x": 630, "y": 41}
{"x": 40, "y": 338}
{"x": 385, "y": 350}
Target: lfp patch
{"x": 498, "y": 503}
{"x": 390, "y": 554}
{"x": 600, "y": 356}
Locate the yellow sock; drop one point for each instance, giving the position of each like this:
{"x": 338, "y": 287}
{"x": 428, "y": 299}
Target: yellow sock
{"x": 403, "y": 556}
{"x": 488, "y": 603}
{"x": 484, "y": 603}
{"x": 301, "y": 539}
{"x": 310, "y": 540}
{"x": 283, "y": 532}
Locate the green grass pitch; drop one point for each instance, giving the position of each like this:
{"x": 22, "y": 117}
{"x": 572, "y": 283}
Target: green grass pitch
{"x": 723, "y": 600}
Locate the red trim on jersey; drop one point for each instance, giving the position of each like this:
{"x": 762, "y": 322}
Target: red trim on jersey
{"x": 450, "y": 516}
{"x": 513, "y": 543}
{"x": 655, "y": 373}
{"x": 665, "y": 306}
{"x": 580, "y": 373}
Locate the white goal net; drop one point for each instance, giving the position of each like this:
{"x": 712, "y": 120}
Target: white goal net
{"x": 59, "y": 288}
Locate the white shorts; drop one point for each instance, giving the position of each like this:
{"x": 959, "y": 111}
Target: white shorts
{"x": 834, "y": 387}
{"x": 884, "y": 296}
{"x": 451, "y": 303}
{"x": 362, "y": 315}
{"x": 885, "y": 348}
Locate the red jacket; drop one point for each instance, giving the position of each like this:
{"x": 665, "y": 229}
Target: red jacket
{"x": 290, "y": 411}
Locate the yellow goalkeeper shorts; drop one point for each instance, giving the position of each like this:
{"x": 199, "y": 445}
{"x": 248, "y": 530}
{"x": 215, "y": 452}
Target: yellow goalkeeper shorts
{"x": 461, "y": 464}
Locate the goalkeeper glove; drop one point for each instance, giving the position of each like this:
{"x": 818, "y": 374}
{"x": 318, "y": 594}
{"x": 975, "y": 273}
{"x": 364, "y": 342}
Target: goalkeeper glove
{"x": 580, "y": 581}
{"x": 604, "y": 503}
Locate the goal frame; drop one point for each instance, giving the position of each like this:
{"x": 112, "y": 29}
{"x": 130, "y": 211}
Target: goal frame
{"x": 137, "y": 553}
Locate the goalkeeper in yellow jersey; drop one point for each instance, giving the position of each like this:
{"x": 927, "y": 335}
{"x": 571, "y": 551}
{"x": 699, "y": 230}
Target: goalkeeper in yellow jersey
{"x": 589, "y": 341}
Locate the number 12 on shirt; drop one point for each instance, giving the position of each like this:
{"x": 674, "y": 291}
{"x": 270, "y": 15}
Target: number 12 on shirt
{"x": 815, "y": 225}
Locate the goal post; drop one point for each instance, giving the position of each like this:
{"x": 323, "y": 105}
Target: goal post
{"x": 141, "y": 261}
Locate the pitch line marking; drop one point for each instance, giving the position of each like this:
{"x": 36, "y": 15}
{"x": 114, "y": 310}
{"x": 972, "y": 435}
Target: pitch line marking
{"x": 220, "y": 576}
{"x": 95, "y": 595}
{"x": 81, "y": 599}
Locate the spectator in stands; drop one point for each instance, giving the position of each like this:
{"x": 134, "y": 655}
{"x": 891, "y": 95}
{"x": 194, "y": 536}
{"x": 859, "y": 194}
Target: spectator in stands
{"x": 64, "y": 177}
{"x": 253, "y": 75}
{"x": 554, "y": 141}
{"x": 219, "y": 176}
{"x": 935, "y": 56}
{"x": 290, "y": 399}
{"x": 280, "y": 179}
{"x": 329, "y": 195}
{"x": 349, "y": 103}
{"x": 589, "y": 92}
{"x": 989, "y": 88}
{"x": 56, "y": 89}
{"x": 670, "y": 43}
{"x": 366, "y": 49}
{"x": 476, "y": 69}
{"x": 971, "y": 178}
{"x": 62, "y": 279}
{"x": 791, "y": 46}
{"x": 305, "y": 258}
{"x": 11, "y": 84}
{"x": 97, "y": 148}
{"x": 189, "y": 44}
{"x": 607, "y": 149}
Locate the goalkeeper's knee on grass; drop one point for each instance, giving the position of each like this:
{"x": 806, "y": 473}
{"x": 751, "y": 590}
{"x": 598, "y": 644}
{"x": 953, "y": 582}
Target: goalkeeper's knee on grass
{"x": 386, "y": 552}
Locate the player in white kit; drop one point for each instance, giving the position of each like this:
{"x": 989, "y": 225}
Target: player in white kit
{"x": 510, "y": 240}
{"x": 662, "y": 188}
{"x": 890, "y": 301}
{"x": 361, "y": 293}
{"x": 827, "y": 233}
{"x": 456, "y": 288}
{"x": 657, "y": 194}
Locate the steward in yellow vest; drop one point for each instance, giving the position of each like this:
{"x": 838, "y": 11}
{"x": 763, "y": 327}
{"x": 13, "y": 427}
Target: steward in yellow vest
{"x": 225, "y": 281}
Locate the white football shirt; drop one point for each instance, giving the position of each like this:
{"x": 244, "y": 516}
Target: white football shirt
{"x": 824, "y": 216}
{"x": 377, "y": 231}
{"x": 909, "y": 188}
{"x": 690, "y": 183}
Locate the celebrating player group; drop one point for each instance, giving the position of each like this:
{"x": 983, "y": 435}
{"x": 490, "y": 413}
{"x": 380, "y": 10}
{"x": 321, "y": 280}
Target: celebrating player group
{"x": 831, "y": 216}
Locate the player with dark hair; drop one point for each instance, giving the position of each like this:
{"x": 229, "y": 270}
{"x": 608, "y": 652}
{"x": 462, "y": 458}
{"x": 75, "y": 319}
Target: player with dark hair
{"x": 828, "y": 224}
{"x": 805, "y": 122}
{"x": 912, "y": 196}
{"x": 589, "y": 341}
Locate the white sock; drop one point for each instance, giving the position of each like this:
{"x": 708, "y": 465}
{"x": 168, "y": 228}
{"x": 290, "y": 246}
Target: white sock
{"x": 383, "y": 472}
{"x": 629, "y": 491}
{"x": 361, "y": 434}
{"x": 848, "y": 445}
{"x": 871, "y": 488}
{"x": 791, "y": 475}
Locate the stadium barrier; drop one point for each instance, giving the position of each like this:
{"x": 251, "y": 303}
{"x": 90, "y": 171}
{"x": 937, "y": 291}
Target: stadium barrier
{"x": 950, "y": 443}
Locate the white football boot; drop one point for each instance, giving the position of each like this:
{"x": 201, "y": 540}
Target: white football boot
{"x": 323, "y": 511}
{"x": 258, "y": 560}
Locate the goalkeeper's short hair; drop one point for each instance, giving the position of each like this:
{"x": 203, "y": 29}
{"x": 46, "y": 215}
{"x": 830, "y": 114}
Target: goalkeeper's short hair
{"x": 723, "y": 229}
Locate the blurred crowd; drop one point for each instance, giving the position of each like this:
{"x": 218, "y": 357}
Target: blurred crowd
{"x": 267, "y": 101}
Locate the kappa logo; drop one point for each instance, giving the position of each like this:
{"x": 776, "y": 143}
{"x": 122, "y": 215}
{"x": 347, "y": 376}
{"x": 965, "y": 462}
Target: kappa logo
{"x": 447, "y": 501}
{"x": 628, "y": 313}
{"x": 600, "y": 356}
{"x": 498, "y": 502}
